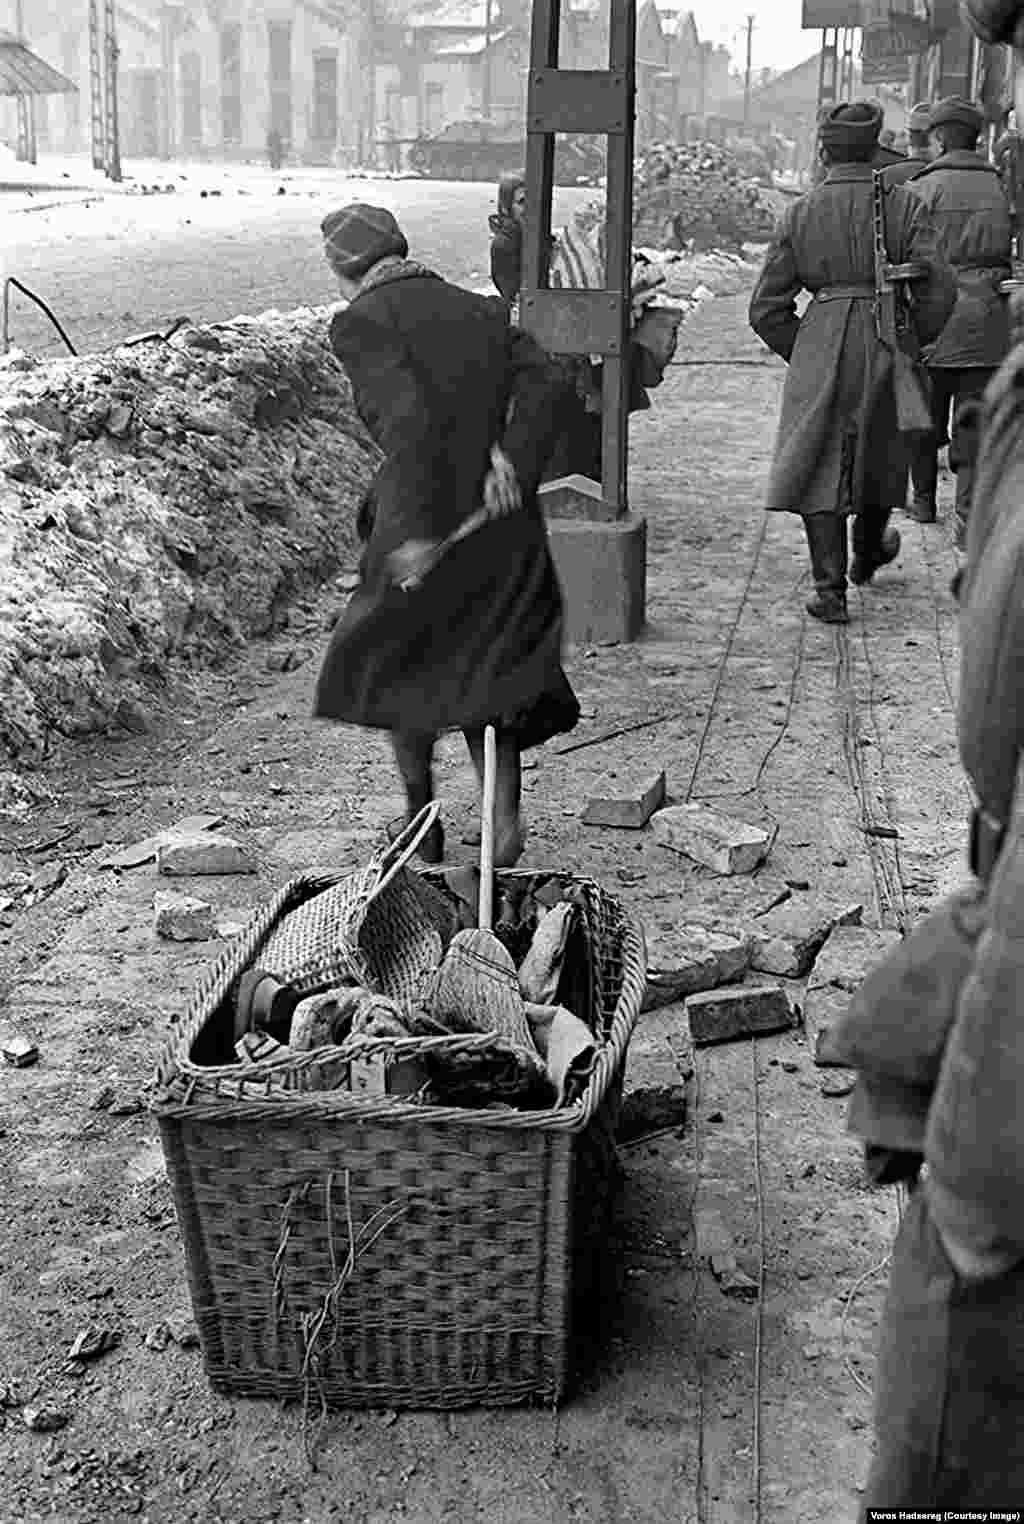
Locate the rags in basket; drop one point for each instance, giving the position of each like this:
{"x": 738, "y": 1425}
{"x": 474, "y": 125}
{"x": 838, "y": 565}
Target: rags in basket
{"x": 466, "y": 410}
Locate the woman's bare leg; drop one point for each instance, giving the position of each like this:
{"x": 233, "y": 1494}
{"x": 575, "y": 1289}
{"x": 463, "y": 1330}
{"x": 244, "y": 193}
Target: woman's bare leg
{"x": 509, "y": 836}
{"x": 414, "y": 755}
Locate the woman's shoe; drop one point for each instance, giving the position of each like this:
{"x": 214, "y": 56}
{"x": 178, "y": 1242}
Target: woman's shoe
{"x": 830, "y": 608}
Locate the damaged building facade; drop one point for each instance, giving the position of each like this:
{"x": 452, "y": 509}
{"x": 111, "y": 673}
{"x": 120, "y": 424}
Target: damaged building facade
{"x": 332, "y": 78}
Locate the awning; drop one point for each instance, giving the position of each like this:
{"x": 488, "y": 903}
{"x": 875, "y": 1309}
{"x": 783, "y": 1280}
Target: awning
{"x": 23, "y": 73}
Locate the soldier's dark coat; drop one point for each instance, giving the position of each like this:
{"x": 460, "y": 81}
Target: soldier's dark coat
{"x": 837, "y": 446}
{"x": 969, "y": 211}
{"x": 434, "y": 370}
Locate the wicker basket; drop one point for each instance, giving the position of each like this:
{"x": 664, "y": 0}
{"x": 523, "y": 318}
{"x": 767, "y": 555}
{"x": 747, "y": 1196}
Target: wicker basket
{"x": 377, "y": 1252}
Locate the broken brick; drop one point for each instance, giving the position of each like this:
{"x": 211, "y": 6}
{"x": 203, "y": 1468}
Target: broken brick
{"x": 657, "y": 1067}
{"x": 181, "y": 918}
{"x": 627, "y": 804}
{"x": 207, "y": 853}
{"x": 727, "y": 846}
{"x": 748, "y": 1011}
{"x": 684, "y": 960}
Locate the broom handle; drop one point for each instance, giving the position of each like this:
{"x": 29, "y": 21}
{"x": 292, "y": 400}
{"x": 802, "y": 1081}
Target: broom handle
{"x": 486, "y": 915}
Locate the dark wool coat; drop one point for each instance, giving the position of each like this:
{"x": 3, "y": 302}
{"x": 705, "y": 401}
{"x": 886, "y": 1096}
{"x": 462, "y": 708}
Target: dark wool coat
{"x": 838, "y": 448}
{"x": 433, "y": 371}
{"x": 971, "y": 216}
{"x": 899, "y": 174}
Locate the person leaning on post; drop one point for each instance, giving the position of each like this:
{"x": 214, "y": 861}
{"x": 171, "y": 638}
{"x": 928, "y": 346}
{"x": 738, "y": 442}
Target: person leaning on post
{"x": 838, "y": 452}
{"x": 466, "y": 411}
{"x": 971, "y": 216}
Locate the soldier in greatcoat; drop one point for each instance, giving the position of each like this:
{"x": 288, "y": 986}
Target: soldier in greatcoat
{"x": 964, "y": 195}
{"x": 838, "y": 453}
{"x": 919, "y": 147}
{"x": 451, "y": 393}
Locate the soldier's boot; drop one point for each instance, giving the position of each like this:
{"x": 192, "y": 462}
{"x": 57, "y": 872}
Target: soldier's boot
{"x": 874, "y": 545}
{"x": 968, "y": 425}
{"x": 826, "y": 541}
{"x": 924, "y": 481}
{"x": 414, "y": 755}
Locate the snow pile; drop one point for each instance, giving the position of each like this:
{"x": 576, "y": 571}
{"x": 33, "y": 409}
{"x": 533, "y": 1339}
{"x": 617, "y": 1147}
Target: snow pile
{"x": 163, "y": 502}
{"x": 697, "y": 195}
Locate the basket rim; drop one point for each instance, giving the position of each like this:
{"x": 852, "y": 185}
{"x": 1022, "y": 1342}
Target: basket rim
{"x": 180, "y": 1085}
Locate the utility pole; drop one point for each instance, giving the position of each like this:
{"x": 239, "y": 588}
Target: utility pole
{"x": 103, "y": 51}
{"x": 112, "y": 162}
{"x": 746, "y": 78}
{"x": 487, "y": 65}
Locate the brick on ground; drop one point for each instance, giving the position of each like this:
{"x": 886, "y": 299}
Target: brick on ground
{"x": 659, "y": 1062}
{"x": 626, "y": 802}
{"x": 718, "y": 842}
{"x": 204, "y": 853}
{"x": 747, "y": 1011}
{"x": 684, "y": 960}
{"x": 787, "y": 940}
{"x": 182, "y": 917}
{"x": 845, "y": 961}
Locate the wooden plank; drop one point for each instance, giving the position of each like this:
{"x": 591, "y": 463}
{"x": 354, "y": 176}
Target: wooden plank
{"x": 540, "y": 153}
{"x": 575, "y": 322}
{"x": 619, "y": 260}
{"x": 577, "y": 100}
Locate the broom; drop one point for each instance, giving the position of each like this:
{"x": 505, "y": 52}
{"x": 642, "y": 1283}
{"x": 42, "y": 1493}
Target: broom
{"x": 477, "y": 985}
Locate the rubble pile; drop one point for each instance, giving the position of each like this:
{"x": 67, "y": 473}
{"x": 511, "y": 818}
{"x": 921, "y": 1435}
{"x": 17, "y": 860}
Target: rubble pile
{"x": 162, "y": 502}
{"x": 696, "y": 195}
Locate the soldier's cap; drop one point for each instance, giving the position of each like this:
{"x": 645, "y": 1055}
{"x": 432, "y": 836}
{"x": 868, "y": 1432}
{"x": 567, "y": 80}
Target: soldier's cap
{"x": 850, "y": 124}
{"x": 920, "y": 118}
{"x": 956, "y": 109}
{"x": 358, "y": 236}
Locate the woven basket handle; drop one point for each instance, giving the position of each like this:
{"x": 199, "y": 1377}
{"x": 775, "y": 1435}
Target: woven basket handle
{"x": 404, "y": 845}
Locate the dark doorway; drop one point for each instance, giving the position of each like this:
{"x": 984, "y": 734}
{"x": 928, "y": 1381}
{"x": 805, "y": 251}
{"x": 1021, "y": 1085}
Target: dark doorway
{"x": 280, "y": 82}
{"x": 325, "y": 100}
{"x": 191, "y": 103}
{"x": 231, "y": 84}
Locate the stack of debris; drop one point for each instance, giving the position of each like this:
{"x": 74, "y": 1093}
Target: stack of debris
{"x": 164, "y": 500}
{"x": 696, "y": 195}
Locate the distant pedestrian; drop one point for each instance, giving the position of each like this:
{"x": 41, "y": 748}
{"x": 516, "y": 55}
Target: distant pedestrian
{"x": 466, "y": 411}
{"x": 838, "y": 452}
{"x": 965, "y": 199}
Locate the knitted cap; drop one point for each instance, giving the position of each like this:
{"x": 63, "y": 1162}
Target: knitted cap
{"x": 955, "y": 109}
{"x": 920, "y": 118}
{"x": 850, "y": 125}
{"x": 357, "y": 237}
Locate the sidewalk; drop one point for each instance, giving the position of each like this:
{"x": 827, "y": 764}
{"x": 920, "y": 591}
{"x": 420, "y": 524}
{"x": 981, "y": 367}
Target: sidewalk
{"x": 703, "y": 1406}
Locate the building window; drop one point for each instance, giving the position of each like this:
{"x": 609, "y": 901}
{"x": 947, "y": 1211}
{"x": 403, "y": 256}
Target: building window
{"x": 325, "y": 97}
{"x": 435, "y": 108}
{"x": 231, "y": 83}
{"x": 280, "y": 81}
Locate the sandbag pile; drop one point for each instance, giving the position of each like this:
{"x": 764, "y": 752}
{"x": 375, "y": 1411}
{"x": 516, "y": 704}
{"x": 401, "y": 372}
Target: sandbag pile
{"x": 695, "y": 195}
{"x": 163, "y": 502}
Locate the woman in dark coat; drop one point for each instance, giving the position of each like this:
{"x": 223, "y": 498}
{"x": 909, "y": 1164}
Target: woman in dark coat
{"x": 440, "y": 379}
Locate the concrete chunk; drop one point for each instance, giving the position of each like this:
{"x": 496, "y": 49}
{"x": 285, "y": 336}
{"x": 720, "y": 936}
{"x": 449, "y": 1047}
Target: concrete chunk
{"x": 727, "y": 846}
{"x": 624, "y": 802}
{"x": 180, "y": 918}
{"x": 657, "y": 1066}
{"x": 685, "y": 960}
{"x": 786, "y": 941}
{"x": 845, "y": 961}
{"x": 751, "y": 1011}
{"x": 207, "y": 853}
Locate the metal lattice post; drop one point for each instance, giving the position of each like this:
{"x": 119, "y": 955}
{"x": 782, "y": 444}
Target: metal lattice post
{"x": 113, "y": 142}
{"x": 99, "y": 126}
{"x": 595, "y": 102}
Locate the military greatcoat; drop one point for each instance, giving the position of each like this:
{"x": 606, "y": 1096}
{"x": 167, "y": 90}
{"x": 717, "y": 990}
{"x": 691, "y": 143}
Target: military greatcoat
{"x": 838, "y": 449}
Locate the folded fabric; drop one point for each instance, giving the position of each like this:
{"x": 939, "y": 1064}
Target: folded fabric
{"x": 566, "y": 1046}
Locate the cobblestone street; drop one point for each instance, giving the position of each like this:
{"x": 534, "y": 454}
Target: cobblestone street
{"x": 701, "y": 1407}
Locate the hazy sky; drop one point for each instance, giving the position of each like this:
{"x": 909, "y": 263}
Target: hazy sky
{"x": 779, "y": 42}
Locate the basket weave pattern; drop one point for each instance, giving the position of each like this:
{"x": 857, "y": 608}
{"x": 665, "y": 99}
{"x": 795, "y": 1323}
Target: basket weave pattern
{"x": 459, "y": 1243}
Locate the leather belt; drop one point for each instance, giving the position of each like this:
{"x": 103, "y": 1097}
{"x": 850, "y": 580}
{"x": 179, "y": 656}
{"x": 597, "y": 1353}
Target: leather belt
{"x": 853, "y": 292}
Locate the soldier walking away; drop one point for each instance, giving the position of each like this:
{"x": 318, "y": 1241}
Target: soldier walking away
{"x": 919, "y": 147}
{"x": 971, "y": 215}
{"x": 466, "y": 410}
{"x": 838, "y": 452}
{"x": 935, "y": 1033}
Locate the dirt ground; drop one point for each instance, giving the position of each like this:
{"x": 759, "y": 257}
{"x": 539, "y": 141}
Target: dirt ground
{"x": 697, "y": 1407}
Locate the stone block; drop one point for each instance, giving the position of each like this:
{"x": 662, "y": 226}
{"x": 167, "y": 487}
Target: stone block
{"x": 658, "y": 1065}
{"x": 208, "y": 853}
{"x": 751, "y": 1011}
{"x": 623, "y": 802}
{"x": 684, "y": 960}
{"x": 727, "y": 846}
{"x": 180, "y": 918}
{"x": 787, "y": 940}
{"x": 602, "y": 568}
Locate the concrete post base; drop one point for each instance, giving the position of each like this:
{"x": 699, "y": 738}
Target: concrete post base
{"x": 601, "y": 563}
